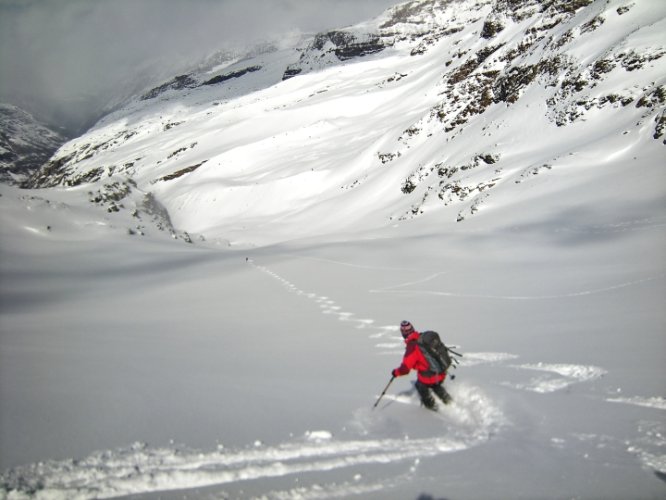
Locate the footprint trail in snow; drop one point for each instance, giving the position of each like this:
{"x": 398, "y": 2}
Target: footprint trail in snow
{"x": 472, "y": 420}
{"x": 142, "y": 469}
{"x": 541, "y": 378}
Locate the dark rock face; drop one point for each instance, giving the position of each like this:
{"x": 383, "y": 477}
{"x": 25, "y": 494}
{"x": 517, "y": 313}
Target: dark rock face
{"x": 360, "y": 49}
{"x": 347, "y": 46}
{"x": 341, "y": 44}
{"x": 291, "y": 72}
{"x": 178, "y": 83}
{"x": 188, "y": 82}
{"x": 25, "y": 144}
{"x": 229, "y": 76}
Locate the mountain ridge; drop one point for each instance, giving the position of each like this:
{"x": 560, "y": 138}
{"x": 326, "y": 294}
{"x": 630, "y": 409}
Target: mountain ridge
{"x": 487, "y": 72}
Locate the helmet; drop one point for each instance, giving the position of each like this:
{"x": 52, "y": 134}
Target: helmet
{"x": 406, "y": 328}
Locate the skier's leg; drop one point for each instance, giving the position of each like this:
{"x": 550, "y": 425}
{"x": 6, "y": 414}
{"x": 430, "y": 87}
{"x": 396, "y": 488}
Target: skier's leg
{"x": 426, "y": 398}
{"x": 441, "y": 393}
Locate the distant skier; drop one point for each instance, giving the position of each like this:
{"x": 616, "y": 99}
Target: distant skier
{"x": 415, "y": 359}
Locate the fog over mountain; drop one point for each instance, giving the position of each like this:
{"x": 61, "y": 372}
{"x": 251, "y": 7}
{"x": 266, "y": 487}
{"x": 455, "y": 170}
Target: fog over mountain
{"x": 67, "y": 61}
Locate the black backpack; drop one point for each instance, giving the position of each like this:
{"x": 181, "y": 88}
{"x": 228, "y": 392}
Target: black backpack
{"x": 435, "y": 352}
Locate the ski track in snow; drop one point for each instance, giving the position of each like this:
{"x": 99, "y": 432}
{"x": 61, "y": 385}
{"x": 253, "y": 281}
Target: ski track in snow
{"x": 656, "y": 402}
{"x": 575, "y": 294}
{"x": 648, "y": 446}
{"x": 556, "y": 376}
{"x": 553, "y": 377}
{"x": 358, "y": 266}
{"x": 643, "y": 224}
{"x": 142, "y": 469}
{"x": 472, "y": 420}
{"x": 327, "y": 305}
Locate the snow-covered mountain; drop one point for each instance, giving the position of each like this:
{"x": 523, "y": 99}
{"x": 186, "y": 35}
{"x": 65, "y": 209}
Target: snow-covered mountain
{"x": 440, "y": 106}
{"x": 25, "y": 143}
{"x": 490, "y": 169}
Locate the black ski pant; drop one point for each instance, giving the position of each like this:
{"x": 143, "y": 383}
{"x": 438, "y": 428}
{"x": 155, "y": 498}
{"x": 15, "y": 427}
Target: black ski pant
{"x": 426, "y": 397}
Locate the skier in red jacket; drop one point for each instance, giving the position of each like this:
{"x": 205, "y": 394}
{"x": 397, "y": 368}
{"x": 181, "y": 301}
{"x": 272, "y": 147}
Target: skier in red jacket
{"x": 415, "y": 360}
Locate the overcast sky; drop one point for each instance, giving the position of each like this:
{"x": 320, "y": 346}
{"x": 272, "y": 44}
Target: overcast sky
{"x": 56, "y": 55}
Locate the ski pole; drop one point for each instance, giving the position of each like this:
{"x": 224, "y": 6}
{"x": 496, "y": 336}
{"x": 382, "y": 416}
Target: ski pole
{"x": 454, "y": 352}
{"x": 384, "y": 391}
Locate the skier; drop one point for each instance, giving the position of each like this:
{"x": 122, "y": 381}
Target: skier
{"x": 415, "y": 360}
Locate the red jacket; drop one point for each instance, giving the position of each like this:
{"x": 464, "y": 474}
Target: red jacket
{"x": 414, "y": 360}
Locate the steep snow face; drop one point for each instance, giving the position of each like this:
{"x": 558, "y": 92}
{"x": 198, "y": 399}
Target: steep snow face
{"x": 448, "y": 106}
{"x": 25, "y": 144}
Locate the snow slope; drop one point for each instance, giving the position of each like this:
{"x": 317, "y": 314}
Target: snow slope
{"x": 142, "y": 366}
{"x": 322, "y": 210}
{"x": 449, "y": 119}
